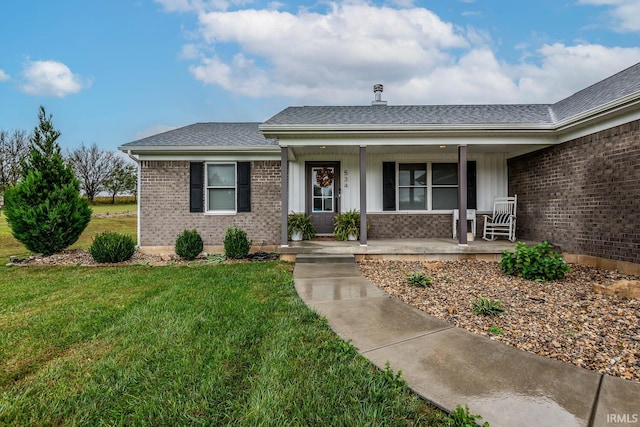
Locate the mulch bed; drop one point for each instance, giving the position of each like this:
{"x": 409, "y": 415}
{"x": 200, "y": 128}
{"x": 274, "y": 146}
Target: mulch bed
{"x": 561, "y": 319}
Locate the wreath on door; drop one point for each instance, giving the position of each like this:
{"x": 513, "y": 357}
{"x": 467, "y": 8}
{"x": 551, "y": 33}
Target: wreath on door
{"x": 324, "y": 177}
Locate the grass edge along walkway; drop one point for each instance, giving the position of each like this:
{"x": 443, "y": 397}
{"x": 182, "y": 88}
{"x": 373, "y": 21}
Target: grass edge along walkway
{"x": 212, "y": 345}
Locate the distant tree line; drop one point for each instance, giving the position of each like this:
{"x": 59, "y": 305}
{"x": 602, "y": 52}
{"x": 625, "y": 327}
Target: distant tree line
{"x": 97, "y": 170}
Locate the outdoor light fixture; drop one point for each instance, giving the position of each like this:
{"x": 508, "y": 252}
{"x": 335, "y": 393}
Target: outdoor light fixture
{"x": 443, "y": 146}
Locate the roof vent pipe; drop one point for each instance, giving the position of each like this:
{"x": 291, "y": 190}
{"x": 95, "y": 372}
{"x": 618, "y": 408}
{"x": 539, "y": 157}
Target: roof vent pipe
{"x": 377, "y": 90}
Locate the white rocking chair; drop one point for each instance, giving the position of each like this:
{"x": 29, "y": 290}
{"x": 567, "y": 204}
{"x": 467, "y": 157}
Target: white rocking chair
{"x": 503, "y": 220}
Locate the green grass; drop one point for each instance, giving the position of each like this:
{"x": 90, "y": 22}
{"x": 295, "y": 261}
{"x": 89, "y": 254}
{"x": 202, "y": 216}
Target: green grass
{"x": 121, "y": 224}
{"x": 117, "y": 208}
{"x": 224, "y": 345}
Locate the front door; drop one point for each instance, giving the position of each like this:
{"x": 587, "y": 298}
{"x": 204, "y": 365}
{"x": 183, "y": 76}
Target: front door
{"x": 323, "y": 194}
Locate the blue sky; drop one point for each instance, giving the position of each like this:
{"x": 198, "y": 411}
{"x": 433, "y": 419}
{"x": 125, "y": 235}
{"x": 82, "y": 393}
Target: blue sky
{"x": 112, "y": 71}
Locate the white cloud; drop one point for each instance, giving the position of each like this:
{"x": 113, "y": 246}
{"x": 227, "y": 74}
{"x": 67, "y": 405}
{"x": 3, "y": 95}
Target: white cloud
{"x": 567, "y": 69}
{"x": 199, "y": 5}
{"x": 187, "y": 5}
{"x": 3, "y": 76}
{"x": 335, "y": 56}
{"x": 153, "y": 130}
{"x": 479, "y": 78}
{"x": 190, "y": 51}
{"x": 317, "y": 53}
{"x": 625, "y": 13}
{"x": 403, "y": 3}
{"x": 51, "y": 78}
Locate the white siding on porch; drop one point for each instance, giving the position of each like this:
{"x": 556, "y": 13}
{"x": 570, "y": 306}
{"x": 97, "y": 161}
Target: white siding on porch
{"x": 492, "y": 178}
{"x": 349, "y": 183}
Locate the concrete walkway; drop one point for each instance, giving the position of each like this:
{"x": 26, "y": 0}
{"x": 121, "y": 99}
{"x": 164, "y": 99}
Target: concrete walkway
{"x": 450, "y": 366}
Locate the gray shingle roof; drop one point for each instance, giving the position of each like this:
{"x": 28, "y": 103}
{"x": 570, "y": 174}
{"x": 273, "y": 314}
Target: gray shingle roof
{"x": 619, "y": 85}
{"x": 626, "y": 82}
{"x": 207, "y": 134}
{"x": 414, "y": 114}
{"x": 616, "y": 87}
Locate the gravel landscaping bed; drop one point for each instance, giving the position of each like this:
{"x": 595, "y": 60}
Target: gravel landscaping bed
{"x": 561, "y": 319}
{"x": 81, "y": 257}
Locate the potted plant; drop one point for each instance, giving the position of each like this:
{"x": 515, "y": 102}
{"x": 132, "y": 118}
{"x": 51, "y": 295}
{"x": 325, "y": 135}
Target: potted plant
{"x": 299, "y": 226}
{"x": 347, "y": 225}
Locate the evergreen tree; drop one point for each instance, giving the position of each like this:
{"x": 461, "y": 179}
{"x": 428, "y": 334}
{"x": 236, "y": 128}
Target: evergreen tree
{"x": 45, "y": 210}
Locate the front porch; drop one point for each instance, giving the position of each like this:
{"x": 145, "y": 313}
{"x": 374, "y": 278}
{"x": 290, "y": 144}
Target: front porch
{"x": 408, "y": 249}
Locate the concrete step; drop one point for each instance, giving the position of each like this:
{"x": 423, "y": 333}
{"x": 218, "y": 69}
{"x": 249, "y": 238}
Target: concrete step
{"x": 325, "y": 259}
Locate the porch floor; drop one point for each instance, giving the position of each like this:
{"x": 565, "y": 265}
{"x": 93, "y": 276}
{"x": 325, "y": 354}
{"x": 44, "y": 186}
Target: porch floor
{"x": 422, "y": 249}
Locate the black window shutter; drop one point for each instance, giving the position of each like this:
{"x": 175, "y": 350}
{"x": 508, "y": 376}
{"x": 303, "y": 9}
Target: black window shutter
{"x": 472, "y": 198}
{"x": 388, "y": 186}
{"x": 244, "y": 187}
{"x": 196, "y": 192}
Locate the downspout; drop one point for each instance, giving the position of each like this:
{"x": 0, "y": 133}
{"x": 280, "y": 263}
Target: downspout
{"x": 139, "y": 178}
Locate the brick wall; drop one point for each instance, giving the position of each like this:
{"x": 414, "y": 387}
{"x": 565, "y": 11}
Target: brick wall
{"x": 583, "y": 195}
{"x": 413, "y": 226}
{"x": 164, "y": 205}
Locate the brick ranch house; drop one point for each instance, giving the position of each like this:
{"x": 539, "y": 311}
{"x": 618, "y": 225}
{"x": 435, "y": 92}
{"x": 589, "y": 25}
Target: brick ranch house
{"x": 575, "y": 166}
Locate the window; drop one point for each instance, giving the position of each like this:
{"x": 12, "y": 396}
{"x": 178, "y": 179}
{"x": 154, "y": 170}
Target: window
{"x": 322, "y": 189}
{"x": 417, "y": 192}
{"x": 412, "y": 186}
{"x": 221, "y": 187}
{"x": 425, "y": 186}
{"x": 444, "y": 186}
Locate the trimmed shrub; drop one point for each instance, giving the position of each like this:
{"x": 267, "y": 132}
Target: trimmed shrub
{"x": 189, "y": 244}
{"x": 112, "y": 247}
{"x": 537, "y": 262}
{"x": 236, "y": 243}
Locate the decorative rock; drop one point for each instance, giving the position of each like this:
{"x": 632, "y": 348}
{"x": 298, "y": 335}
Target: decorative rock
{"x": 622, "y": 288}
{"x": 432, "y": 265}
{"x": 262, "y": 256}
{"x": 564, "y": 320}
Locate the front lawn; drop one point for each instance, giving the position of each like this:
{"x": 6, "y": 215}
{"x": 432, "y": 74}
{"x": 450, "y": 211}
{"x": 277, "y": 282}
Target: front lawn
{"x": 209, "y": 345}
{"x": 100, "y": 222}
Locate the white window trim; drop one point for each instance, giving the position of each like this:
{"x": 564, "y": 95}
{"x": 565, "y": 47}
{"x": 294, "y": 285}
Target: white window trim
{"x": 207, "y": 187}
{"x": 429, "y": 188}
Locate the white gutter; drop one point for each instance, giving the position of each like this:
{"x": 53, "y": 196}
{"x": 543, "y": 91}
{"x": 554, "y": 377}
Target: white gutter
{"x": 617, "y": 106}
{"x": 418, "y": 129}
{"x": 200, "y": 148}
{"x": 139, "y": 178}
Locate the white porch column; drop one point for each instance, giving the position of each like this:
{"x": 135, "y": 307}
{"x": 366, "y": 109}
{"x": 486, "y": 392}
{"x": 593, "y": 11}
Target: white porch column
{"x": 284, "y": 194}
{"x": 462, "y": 193}
{"x": 363, "y": 195}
